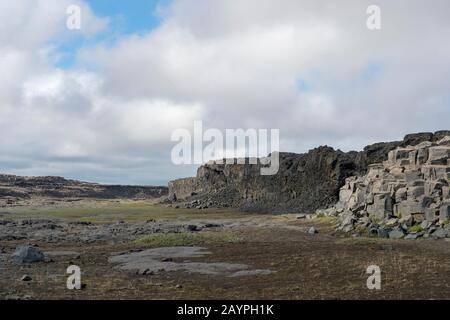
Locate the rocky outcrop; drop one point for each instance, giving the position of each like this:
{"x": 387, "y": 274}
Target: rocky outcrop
{"x": 14, "y": 188}
{"x": 182, "y": 188}
{"x": 296, "y": 186}
{"x": 408, "y": 195}
{"x": 304, "y": 182}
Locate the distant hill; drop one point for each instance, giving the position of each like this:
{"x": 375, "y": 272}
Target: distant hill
{"x": 13, "y": 188}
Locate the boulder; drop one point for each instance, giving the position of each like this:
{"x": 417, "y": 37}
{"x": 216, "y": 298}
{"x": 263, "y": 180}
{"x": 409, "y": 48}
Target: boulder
{"x": 383, "y": 233}
{"x": 416, "y": 138}
{"x": 439, "y": 155}
{"x": 401, "y": 194}
{"x": 440, "y": 233}
{"x": 409, "y": 207}
{"x": 408, "y": 220}
{"x": 444, "y": 141}
{"x": 425, "y": 224}
{"x": 415, "y": 192}
{"x": 27, "y": 254}
{"x": 382, "y": 206}
{"x": 411, "y": 176}
{"x": 396, "y": 234}
{"x": 444, "y": 213}
{"x": 413, "y": 236}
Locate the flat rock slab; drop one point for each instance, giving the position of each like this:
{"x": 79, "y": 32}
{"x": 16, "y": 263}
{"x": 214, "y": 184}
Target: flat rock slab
{"x": 60, "y": 253}
{"x": 259, "y": 272}
{"x": 159, "y": 260}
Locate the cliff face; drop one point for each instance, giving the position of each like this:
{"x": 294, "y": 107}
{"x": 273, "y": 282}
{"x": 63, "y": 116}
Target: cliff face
{"x": 299, "y": 181}
{"x": 182, "y": 188}
{"x": 15, "y": 187}
{"x": 304, "y": 182}
{"x": 407, "y": 195}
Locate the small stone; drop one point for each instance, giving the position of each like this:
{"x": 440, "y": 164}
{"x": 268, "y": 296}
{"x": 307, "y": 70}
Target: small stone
{"x": 178, "y": 286}
{"x": 408, "y": 220}
{"x": 373, "y": 231}
{"x": 440, "y": 233}
{"x": 391, "y": 222}
{"x": 383, "y": 233}
{"x": 26, "y": 278}
{"x": 312, "y": 230}
{"x": 147, "y": 272}
{"x": 413, "y": 236}
{"x": 301, "y": 216}
{"x": 425, "y": 224}
{"x": 192, "y": 227}
{"x": 396, "y": 234}
{"x": 347, "y": 228}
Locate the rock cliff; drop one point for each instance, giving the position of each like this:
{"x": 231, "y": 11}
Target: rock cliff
{"x": 304, "y": 182}
{"x": 408, "y": 195}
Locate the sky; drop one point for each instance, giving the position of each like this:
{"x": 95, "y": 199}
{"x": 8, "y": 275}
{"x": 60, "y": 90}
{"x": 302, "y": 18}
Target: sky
{"x": 100, "y": 103}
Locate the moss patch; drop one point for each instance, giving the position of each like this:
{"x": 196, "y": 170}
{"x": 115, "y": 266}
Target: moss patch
{"x": 128, "y": 211}
{"x": 415, "y": 229}
{"x": 363, "y": 241}
{"x": 188, "y": 239}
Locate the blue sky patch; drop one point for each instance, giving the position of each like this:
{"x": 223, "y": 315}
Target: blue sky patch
{"x": 126, "y": 18}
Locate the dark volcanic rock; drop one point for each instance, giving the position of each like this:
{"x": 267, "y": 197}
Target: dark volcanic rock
{"x": 304, "y": 182}
{"x": 296, "y": 187}
{"x": 416, "y": 138}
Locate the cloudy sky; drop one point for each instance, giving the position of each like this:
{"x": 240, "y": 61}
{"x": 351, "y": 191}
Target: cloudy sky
{"x": 100, "y": 103}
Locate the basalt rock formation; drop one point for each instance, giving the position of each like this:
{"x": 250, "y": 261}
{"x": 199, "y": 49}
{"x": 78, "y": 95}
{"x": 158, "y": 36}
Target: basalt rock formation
{"x": 408, "y": 195}
{"x": 297, "y": 185}
{"x": 14, "y": 188}
{"x": 304, "y": 182}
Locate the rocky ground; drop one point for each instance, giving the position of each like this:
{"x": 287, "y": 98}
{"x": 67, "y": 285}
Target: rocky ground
{"x": 201, "y": 242}
{"x": 168, "y": 253}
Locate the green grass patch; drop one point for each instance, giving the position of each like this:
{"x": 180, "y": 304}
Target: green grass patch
{"x": 325, "y": 219}
{"x": 415, "y": 229}
{"x": 128, "y": 211}
{"x": 188, "y": 239}
{"x": 362, "y": 241}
